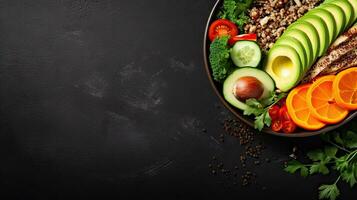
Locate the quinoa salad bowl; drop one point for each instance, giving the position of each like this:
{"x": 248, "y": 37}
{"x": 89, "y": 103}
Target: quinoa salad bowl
{"x": 275, "y": 27}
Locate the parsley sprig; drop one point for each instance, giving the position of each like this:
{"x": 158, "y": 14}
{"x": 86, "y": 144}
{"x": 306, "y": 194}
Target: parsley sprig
{"x": 260, "y": 109}
{"x": 340, "y": 155}
{"x": 235, "y": 11}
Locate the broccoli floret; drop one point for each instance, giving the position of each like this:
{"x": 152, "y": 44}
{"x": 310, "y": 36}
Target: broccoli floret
{"x": 219, "y": 58}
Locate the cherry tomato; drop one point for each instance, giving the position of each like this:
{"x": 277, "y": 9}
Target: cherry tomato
{"x": 274, "y": 112}
{"x": 222, "y": 27}
{"x": 283, "y": 114}
{"x": 276, "y": 125}
{"x": 250, "y": 37}
{"x": 289, "y": 127}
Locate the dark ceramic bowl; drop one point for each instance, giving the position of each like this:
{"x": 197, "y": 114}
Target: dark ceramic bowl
{"x": 217, "y": 87}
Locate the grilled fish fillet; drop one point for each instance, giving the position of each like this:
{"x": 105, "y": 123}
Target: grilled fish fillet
{"x": 344, "y": 37}
{"x": 347, "y": 61}
{"x": 343, "y": 46}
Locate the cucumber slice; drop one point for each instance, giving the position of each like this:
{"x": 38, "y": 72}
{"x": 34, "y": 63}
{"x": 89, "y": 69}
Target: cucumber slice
{"x": 246, "y": 54}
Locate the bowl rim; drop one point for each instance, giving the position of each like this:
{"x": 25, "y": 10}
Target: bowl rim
{"x": 237, "y": 113}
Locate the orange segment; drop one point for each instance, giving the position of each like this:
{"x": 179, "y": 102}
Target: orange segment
{"x": 345, "y": 89}
{"x": 299, "y": 110}
{"x": 321, "y": 101}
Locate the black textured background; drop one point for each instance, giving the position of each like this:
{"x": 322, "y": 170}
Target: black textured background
{"x": 106, "y": 99}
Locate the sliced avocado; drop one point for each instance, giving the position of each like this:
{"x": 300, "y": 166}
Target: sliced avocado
{"x": 347, "y": 10}
{"x": 312, "y": 35}
{"x": 329, "y": 20}
{"x": 229, "y": 83}
{"x": 296, "y": 44}
{"x": 339, "y": 16}
{"x": 284, "y": 66}
{"x": 354, "y": 5}
{"x": 301, "y": 37}
{"x": 320, "y": 25}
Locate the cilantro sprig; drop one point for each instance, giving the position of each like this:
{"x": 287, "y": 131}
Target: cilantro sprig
{"x": 260, "y": 109}
{"x": 340, "y": 155}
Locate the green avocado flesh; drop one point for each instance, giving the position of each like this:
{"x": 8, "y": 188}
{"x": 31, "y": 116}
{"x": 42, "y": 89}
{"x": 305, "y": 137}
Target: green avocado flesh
{"x": 312, "y": 35}
{"x": 229, "y": 83}
{"x": 301, "y": 37}
{"x": 354, "y": 5}
{"x": 328, "y": 19}
{"x": 347, "y": 10}
{"x": 321, "y": 27}
{"x": 294, "y": 43}
{"x": 284, "y": 66}
{"x": 339, "y": 16}
{"x": 306, "y": 40}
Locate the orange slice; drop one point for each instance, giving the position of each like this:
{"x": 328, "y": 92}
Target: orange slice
{"x": 321, "y": 102}
{"x": 345, "y": 89}
{"x": 299, "y": 111}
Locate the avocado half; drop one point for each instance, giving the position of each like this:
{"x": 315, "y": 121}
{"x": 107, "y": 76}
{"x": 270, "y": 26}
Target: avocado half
{"x": 229, "y": 83}
{"x": 284, "y": 66}
{"x": 307, "y": 45}
{"x": 294, "y": 43}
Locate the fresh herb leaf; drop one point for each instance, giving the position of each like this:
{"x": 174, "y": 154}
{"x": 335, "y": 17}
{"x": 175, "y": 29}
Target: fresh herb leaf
{"x": 294, "y": 165}
{"x": 235, "y": 11}
{"x": 273, "y": 99}
{"x": 267, "y": 119}
{"x": 321, "y": 158}
{"x": 348, "y": 175}
{"x": 253, "y": 111}
{"x": 350, "y": 140}
{"x": 344, "y": 162}
{"x": 338, "y": 139}
{"x": 259, "y": 122}
{"x": 269, "y": 100}
{"x": 304, "y": 171}
{"x": 330, "y": 151}
{"x": 316, "y": 155}
{"x": 260, "y": 109}
{"x": 319, "y": 168}
{"x": 219, "y": 58}
{"x": 254, "y": 103}
{"x": 254, "y": 107}
{"x": 329, "y": 192}
{"x": 242, "y": 20}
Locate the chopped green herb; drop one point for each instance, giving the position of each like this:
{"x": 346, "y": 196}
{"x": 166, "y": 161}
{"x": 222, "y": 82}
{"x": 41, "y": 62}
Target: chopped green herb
{"x": 329, "y": 192}
{"x": 235, "y": 11}
{"x": 260, "y": 109}
{"x": 341, "y": 156}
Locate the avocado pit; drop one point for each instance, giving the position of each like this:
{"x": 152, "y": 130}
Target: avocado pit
{"x": 248, "y": 87}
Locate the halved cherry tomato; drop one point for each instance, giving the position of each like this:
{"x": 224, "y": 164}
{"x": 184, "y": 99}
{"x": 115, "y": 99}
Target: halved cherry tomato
{"x": 250, "y": 37}
{"x": 277, "y": 125}
{"x": 222, "y": 27}
{"x": 274, "y": 112}
{"x": 283, "y": 114}
{"x": 289, "y": 126}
